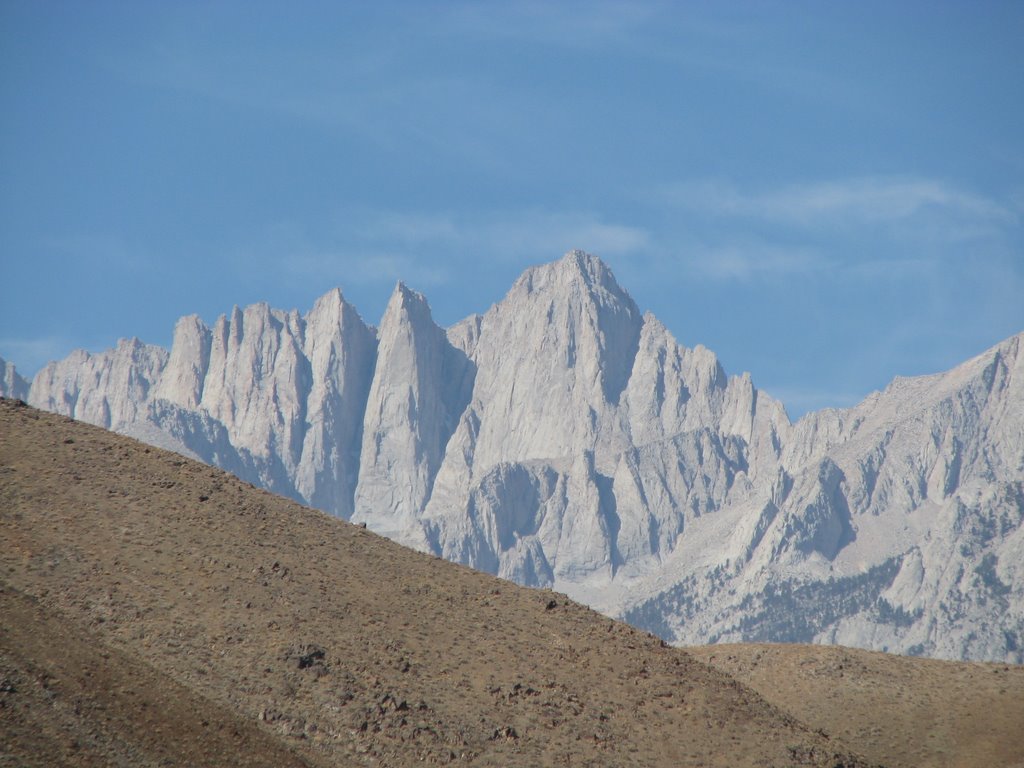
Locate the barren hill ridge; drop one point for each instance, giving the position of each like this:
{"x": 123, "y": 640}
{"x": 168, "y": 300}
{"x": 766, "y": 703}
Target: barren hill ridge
{"x": 565, "y": 439}
{"x": 156, "y": 609}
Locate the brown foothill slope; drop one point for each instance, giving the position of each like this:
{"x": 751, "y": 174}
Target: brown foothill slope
{"x": 904, "y": 712}
{"x": 342, "y": 645}
{"x": 67, "y": 698}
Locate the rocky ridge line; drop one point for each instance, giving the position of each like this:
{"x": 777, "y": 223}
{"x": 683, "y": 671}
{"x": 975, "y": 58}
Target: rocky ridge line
{"x": 564, "y": 439}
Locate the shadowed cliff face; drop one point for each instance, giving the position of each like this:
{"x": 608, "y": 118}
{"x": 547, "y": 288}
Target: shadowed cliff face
{"x": 563, "y": 439}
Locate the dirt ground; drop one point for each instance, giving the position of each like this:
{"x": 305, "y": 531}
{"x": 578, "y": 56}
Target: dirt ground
{"x": 136, "y": 581}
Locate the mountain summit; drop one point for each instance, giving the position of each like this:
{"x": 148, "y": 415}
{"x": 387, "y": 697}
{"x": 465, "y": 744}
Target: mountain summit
{"x": 565, "y": 439}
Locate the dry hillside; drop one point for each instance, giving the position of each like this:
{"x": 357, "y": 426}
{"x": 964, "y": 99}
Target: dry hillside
{"x": 904, "y": 712}
{"x": 66, "y": 697}
{"x": 342, "y": 646}
{"x": 157, "y": 611}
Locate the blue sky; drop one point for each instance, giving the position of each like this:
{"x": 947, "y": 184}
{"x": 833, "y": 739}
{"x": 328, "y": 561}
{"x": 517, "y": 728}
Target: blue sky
{"x": 826, "y": 194}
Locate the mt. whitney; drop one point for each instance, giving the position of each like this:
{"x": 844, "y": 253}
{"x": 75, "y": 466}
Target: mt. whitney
{"x": 564, "y": 439}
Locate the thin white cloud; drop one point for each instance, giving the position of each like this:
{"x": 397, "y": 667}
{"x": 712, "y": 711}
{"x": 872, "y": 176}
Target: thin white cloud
{"x": 28, "y": 355}
{"x": 747, "y": 262}
{"x": 503, "y": 234}
{"x": 251, "y": 80}
{"x": 872, "y": 199}
{"x": 409, "y": 228}
{"x": 1017, "y": 201}
{"x": 360, "y": 267}
{"x": 537, "y": 234}
{"x": 845, "y": 201}
{"x": 381, "y": 96}
{"x": 565, "y": 24}
{"x": 374, "y": 248}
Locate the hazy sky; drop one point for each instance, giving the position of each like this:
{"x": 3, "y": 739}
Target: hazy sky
{"x": 826, "y": 194}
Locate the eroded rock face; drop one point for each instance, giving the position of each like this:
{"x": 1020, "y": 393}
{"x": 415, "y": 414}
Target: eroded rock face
{"x": 421, "y": 384}
{"x": 12, "y": 384}
{"x": 894, "y": 525}
{"x": 110, "y": 389}
{"x": 274, "y": 396}
{"x": 565, "y": 439}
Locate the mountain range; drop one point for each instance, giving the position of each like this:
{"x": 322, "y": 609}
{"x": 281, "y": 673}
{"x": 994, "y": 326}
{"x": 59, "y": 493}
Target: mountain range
{"x": 565, "y": 439}
{"x": 157, "y": 611}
